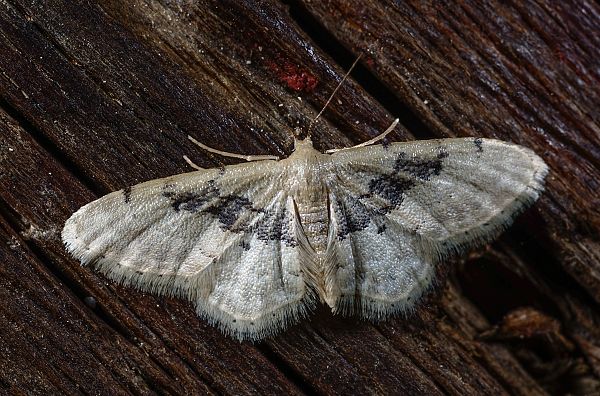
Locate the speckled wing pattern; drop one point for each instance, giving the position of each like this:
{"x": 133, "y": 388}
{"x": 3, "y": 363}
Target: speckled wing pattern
{"x": 190, "y": 236}
{"x": 397, "y": 210}
{"x": 255, "y": 246}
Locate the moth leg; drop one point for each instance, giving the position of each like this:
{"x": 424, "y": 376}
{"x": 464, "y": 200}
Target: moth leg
{"x": 233, "y": 155}
{"x": 369, "y": 142}
{"x": 190, "y": 163}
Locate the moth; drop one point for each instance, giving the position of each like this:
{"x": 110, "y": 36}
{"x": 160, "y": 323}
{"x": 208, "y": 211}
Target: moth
{"x": 257, "y": 245}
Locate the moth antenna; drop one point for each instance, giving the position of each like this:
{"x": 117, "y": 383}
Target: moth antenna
{"x": 314, "y": 120}
{"x": 228, "y": 154}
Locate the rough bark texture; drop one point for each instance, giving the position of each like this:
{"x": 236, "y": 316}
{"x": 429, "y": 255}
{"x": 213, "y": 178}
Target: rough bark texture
{"x": 98, "y": 95}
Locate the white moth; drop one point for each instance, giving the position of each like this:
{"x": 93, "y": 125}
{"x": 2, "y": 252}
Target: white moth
{"x": 256, "y": 245}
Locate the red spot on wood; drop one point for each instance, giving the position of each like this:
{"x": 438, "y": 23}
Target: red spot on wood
{"x": 293, "y": 76}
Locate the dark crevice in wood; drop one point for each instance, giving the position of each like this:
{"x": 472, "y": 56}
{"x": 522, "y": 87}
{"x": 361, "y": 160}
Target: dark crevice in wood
{"x": 67, "y": 164}
{"x": 541, "y": 259}
{"x": 493, "y": 280}
{"x": 292, "y": 375}
{"x": 367, "y": 80}
{"x": 206, "y": 380}
{"x": 4, "y": 384}
{"x": 11, "y": 217}
{"x": 155, "y": 385}
{"x": 531, "y": 251}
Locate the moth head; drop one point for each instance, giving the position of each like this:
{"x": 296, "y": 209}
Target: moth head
{"x": 304, "y": 150}
{"x": 303, "y": 144}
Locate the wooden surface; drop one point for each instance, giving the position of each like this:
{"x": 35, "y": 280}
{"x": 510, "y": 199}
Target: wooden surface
{"x": 98, "y": 95}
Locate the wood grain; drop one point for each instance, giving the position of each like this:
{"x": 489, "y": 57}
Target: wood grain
{"x": 99, "y": 95}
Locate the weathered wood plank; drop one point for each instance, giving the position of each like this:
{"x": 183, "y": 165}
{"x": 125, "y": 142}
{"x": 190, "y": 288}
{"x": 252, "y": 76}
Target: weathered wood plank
{"x": 101, "y": 95}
